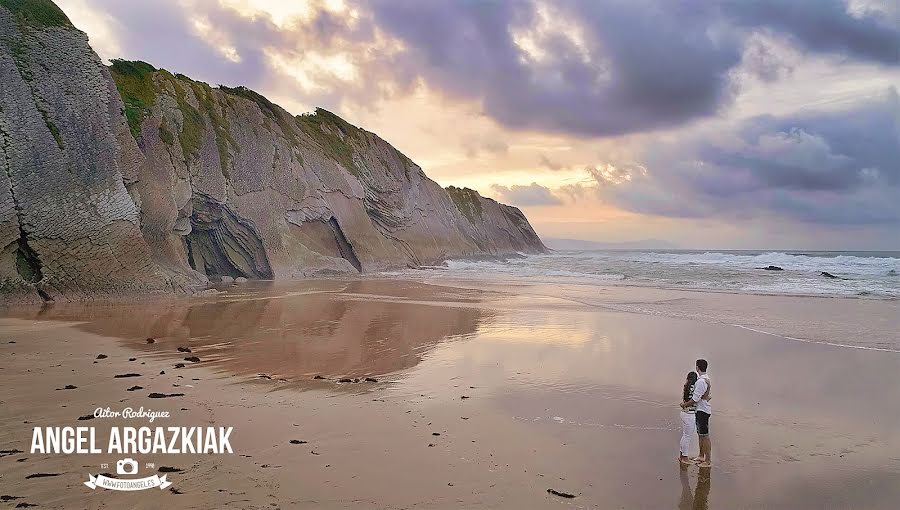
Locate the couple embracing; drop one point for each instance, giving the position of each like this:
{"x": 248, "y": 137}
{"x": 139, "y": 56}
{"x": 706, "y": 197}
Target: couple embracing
{"x": 695, "y": 413}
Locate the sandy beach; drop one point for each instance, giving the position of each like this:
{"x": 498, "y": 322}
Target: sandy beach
{"x": 479, "y": 396}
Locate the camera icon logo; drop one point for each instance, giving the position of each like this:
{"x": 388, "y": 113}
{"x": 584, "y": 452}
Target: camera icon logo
{"x": 127, "y": 467}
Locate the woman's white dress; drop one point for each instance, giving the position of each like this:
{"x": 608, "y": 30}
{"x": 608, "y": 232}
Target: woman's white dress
{"x": 689, "y": 431}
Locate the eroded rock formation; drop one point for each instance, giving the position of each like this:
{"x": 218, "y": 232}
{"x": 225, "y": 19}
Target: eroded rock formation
{"x": 130, "y": 179}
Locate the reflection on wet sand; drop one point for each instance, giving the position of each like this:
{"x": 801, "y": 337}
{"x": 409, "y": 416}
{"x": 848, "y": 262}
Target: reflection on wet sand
{"x": 314, "y": 328}
{"x": 698, "y": 499}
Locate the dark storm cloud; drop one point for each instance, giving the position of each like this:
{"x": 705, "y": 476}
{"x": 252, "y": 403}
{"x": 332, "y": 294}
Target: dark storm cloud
{"x": 641, "y": 65}
{"x": 838, "y": 167}
{"x": 609, "y": 67}
{"x": 824, "y": 26}
{"x": 531, "y": 195}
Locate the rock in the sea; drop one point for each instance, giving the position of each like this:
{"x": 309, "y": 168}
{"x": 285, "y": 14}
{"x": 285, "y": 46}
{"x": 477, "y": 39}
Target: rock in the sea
{"x": 826, "y": 274}
{"x": 771, "y": 268}
{"x": 190, "y": 183}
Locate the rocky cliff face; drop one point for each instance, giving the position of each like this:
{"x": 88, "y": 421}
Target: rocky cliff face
{"x": 129, "y": 179}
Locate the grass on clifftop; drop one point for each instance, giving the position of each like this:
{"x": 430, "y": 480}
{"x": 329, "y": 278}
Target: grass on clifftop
{"x": 204, "y": 94}
{"x": 37, "y": 13}
{"x": 134, "y": 79}
{"x": 330, "y": 132}
{"x": 468, "y": 201}
{"x": 269, "y": 109}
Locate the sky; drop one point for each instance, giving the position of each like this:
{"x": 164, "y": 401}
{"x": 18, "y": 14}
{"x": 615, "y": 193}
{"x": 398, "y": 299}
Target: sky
{"x": 746, "y": 124}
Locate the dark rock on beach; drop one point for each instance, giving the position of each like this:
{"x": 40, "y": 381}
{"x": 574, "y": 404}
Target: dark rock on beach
{"x": 168, "y": 469}
{"x": 86, "y": 417}
{"x": 165, "y": 395}
{"x": 135, "y": 388}
{"x": 123, "y": 376}
{"x": 184, "y": 349}
{"x": 192, "y": 359}
{"x": 102, "y": 356}
{"x": 560, "y": 494}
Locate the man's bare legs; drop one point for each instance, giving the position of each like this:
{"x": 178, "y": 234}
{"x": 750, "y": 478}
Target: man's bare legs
{"x": 705, "y": 458}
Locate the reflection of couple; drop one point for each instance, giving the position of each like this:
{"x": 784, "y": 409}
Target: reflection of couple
{"x": 699, "y": 499}
{"x": 695, "y": 413}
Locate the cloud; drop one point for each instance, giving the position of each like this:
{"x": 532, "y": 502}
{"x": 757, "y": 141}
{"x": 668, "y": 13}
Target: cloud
{"x": 531, "y": 195}
{"x": 473, "y": 146}
{"x": 549, "y": 164}
{"x": 832, "y": 167}
{"x": 584, "y": 68}
{"x": 589, "y": 69}
{"x": 824, "y": 26}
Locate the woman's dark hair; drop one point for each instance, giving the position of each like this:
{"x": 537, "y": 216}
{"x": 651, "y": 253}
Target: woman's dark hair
{"x": 688, "y": 386}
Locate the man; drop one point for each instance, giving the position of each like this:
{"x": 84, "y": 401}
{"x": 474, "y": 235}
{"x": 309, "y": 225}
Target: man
{"x": 700, "y": 399}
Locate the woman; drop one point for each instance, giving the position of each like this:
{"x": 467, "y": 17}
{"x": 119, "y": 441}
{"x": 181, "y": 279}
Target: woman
{"x": 688, "y": 421}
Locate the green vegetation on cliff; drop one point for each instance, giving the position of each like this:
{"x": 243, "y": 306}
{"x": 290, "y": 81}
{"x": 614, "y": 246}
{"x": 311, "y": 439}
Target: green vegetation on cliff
{"x": 134, "y": 79}
{"x": 37, "y": 13}
{"x": 468, "y": 201}
{"x": 330, "y": 132}
{"x": 204, "y": 94}
{"x": 269, "y": 109}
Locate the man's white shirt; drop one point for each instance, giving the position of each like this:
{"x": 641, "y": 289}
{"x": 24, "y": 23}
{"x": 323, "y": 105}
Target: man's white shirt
{"x": 699, "y": 389}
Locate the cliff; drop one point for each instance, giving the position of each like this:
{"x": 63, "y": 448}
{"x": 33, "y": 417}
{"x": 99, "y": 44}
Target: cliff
{"x": 130, "y": 179}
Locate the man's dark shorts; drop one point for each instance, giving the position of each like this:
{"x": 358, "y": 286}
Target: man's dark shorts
{"x": 702, "y": 423}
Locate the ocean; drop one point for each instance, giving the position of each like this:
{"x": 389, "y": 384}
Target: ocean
{"x": 873, "y": 275}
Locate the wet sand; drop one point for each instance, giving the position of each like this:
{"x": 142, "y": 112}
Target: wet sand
{"x": 561, "y": 394}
